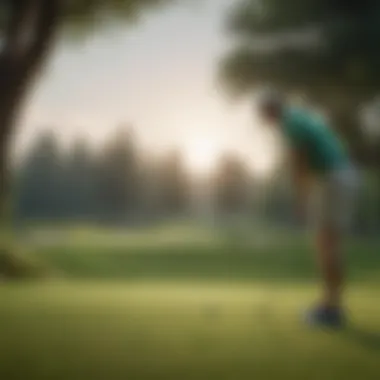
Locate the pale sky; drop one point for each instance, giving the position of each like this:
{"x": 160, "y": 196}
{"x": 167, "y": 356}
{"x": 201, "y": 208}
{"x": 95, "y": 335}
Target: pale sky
{"x": 160, "y": 76}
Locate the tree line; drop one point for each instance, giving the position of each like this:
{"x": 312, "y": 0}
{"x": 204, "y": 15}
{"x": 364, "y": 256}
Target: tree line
{"x": 119, "y": 183}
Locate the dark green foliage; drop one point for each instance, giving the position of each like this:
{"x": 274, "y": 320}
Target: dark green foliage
{"x": 341, "y": 51}
{"x": 40, "y": 180}
{"x": 88, "y": 14}
{"x": 279, "y": 202}
{"x": 112, "y": 185}
{"x": 118, "y": 179}
{"x": 324, "y": 49}
{"x": 82, "y": 17}
{"x": 173, "y": 185}
{"x": 79, "y": 182}
{"x": 121, "y": 185}
{"x": 231, "y": 186}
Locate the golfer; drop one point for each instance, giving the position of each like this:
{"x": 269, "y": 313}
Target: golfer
{"x": 319, "y": 161}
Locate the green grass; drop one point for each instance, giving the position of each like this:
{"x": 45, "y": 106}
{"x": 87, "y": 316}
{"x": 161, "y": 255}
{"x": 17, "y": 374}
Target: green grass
{"x": 192, "y": 305}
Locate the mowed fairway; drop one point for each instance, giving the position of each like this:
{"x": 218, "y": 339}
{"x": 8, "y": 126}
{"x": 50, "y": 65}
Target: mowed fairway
{"x": 200, "y": 306}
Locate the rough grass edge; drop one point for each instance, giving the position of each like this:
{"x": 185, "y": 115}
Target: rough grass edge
{"x": 21, "y": 264}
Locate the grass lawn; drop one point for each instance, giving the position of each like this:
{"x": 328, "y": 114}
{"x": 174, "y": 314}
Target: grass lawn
{"x": 199, "y": 306}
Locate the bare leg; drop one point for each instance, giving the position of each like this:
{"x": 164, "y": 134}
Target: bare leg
{"x": 330, "y": 261}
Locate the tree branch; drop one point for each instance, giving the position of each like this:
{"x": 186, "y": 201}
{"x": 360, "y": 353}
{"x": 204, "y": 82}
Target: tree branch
{"x": 16, "y": 72}
{"x": 47, "y": 24}
{"x": 22, "y": 14}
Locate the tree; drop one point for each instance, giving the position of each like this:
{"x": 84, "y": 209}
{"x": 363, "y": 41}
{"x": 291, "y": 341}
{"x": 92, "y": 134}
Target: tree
{"x": 119, "y": 177}
{"x": 231, "y": 185}
{"x": 278, "y": 198}
{"x": 29, "y": 30}
{"x": 40, "y": 180}
{"x": 172, "y": 185}
{"x": 326, "y": 49}
{"x": 79, "y": 187}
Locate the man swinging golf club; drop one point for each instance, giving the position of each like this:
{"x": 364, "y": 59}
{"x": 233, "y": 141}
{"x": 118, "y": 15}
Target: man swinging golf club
{"x": 318, "y": 157}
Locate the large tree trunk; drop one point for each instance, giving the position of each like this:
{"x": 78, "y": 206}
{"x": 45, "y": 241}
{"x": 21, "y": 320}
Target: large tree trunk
{"x": 29, "y": 36}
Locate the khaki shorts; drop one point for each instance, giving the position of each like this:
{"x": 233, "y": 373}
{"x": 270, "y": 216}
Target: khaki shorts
{"x": 334, "y": 201}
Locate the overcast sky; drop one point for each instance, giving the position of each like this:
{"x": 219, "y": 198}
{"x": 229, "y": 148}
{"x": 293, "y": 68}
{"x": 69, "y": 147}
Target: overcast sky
{"x": 160, "y": 76}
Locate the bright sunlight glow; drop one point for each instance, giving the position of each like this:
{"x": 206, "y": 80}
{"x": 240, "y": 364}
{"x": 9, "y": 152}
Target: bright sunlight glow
{"x": 201, "y": 155}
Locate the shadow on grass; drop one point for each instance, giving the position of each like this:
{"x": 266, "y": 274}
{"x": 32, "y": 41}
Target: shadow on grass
{"x": 369, "y": 340}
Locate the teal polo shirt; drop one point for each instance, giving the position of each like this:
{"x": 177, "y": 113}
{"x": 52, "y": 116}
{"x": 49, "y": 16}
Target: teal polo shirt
{"x": 309, "y": 132}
